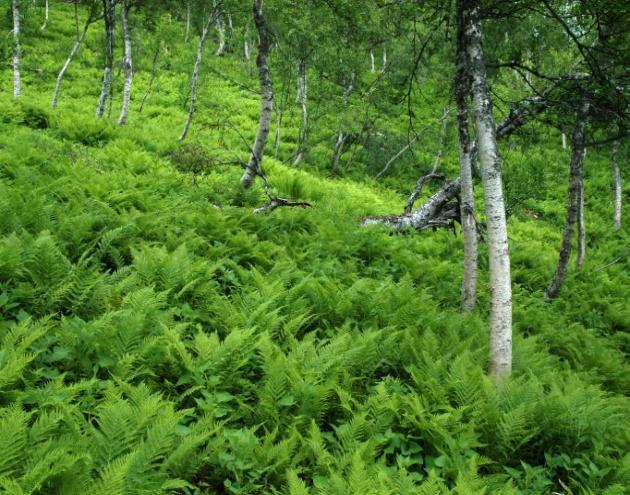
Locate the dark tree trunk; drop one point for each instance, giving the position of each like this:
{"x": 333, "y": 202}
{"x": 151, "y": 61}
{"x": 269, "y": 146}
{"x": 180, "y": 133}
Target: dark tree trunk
{"x": 467, "y": 200}
{"x": 575, "y": 179}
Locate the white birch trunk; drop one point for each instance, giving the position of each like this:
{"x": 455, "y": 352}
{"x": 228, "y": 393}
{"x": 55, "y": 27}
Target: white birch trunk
{"x": 341, "y": 138}
{"x": 17, "y": 76}
{"x": 617, "y": 174}
{"x": 109, "y": 14}
{"x": 372, "y": 62}
{"x": 575, "y": 179}
{"x": 564, "y": 141}
{"x": 302, "y": 99}
{"x": 498, "y": 248}
{"x": 254, "y": 166}
{"x": 64, "y": 69}
{"x": 194, "y": 80}
{"x": 45, "y": 25}
{"x": 384, "y": 59}
{"x": 127, "y": 64}
{"x": 220, "y": 29}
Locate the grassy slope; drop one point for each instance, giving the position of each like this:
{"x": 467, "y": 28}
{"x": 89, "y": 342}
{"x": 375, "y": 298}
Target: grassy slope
{"x": 149, "y": 337}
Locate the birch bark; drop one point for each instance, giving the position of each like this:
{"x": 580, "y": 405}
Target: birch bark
{"x": 17, "y": 76}
{"x": 498, "y": 249}
{"x": 253, "y": 167}
{"x": 73, "y": 52}
{"x": 45, "y": 25}
{"x": 194, "y": 80}
{"x": 127, "y": 64}
{"x": 617, "y": 174}
{"x": 302, "y": 99}
{"x": 109, "y": 14}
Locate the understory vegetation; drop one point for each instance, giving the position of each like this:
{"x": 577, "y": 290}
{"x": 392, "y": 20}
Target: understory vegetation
{"x": 157, "y": 336}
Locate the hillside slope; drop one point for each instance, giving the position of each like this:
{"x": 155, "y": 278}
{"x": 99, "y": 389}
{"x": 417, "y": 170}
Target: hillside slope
{"x": 158, "y": 337}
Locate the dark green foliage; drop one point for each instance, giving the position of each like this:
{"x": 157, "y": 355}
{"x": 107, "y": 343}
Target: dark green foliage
{"x": 192, "y": 158}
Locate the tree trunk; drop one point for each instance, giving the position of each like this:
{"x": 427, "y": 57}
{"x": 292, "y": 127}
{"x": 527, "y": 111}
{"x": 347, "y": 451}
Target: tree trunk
{"x": 266, "y": 109}
{"x": 154, "y": 72}
{"x": 45, "y": 25}
{"x": 302, "y": 99}
{"x": 187, "y": 32}
{"x": 617, "y": 174}
{"x": 127, "y": 64}
{"x": 384, "y": 59}
{"x": 467, "y": 199}
{"x": 575, "y": 178}
{"x": 64, "y": 69}
{"x": 581, "y": 241}
{"x": 109, "y": 14}
{"x": 372, "y": 62}
{"x": 343, "y": 136}
{"x": 277, "y": 139}
{"x": 498, "y": 249}
{"x": 17, "y": 78}
{"x": 220, "y": 29}
{"x": 194, "y": 79}
{"x": 438, "y": 211}
{"x": 564, "y": 141}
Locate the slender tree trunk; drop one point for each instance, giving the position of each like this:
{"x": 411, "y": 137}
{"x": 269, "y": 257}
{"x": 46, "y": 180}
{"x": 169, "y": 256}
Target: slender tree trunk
{"x": 45, "y": 25}
{"x": 278, "y": 136}
{"x": 617, "y": 174}
{"x": 17, "y": 77}
{"x": 384, "y": 59}
{"x": 372, "y": 62}
{"x": 302, "y": 99}
{"x": 64, "y": 69}
{"x": 564, "y": 141}
{"x": 187, "y": 32}
{"x": 154, "y": 72}
{"x": 498, "y": 249}
{"x": 575, "y": 179}
{"x": 109, "y": 13}
{"x": 230, "y": 35}
{"x": 581, "y": 241}
{"x": 343, "y": 136}
{"x": 220, "y": 29}
{"x": 194, "y": 79}
{"x": 255, "y": 161}
{"x": 467, "y": 199}
{"x": 127, "y": 64}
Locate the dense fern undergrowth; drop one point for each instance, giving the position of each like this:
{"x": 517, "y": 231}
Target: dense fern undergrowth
{"x": 158, "y": 337}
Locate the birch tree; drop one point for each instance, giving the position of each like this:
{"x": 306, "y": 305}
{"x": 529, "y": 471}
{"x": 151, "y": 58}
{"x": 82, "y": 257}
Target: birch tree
{"x": 617, "y": 177}
{"x": 127, "y": 63}
{"x": 45, "y": 24}
{"x": 254, "y": 164}
{"x": 194, "y": 80}
{"x": 17, "y": 76}
{"x": 498, "y": 249}
{"x": 93, "y": 16}
{"x": 109, "y": 15}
